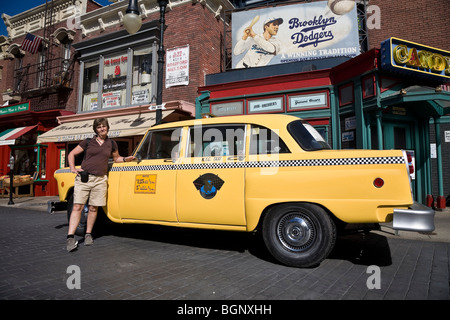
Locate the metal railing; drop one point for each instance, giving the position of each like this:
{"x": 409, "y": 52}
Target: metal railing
{"x": 53, "y": 73}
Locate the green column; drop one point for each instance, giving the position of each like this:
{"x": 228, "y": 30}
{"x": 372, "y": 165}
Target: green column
{"x": 437, "y": 128}
{"x": 361, "y": 128}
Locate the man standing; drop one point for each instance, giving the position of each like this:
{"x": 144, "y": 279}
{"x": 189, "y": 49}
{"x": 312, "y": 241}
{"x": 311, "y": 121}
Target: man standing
{"x": 261, "y": 48}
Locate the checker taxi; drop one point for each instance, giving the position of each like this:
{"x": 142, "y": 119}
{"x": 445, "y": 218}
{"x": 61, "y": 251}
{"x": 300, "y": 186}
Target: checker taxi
{"x": 271, "y": 173}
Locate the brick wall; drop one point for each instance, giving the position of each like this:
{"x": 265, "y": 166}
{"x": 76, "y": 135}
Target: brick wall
{"x": 424, "y": 22}
{"x": 64, "y": 99}
{"x": 196, "y": 26}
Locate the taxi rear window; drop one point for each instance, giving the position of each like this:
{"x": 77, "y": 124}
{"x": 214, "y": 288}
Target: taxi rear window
{"x": 306, "y": 136}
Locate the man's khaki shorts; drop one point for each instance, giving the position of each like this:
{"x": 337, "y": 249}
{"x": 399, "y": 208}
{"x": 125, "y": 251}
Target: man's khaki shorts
{"x": 95, "y": 190}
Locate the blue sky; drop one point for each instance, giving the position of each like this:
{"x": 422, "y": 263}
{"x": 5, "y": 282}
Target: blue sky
{"x": 13, "y": 7}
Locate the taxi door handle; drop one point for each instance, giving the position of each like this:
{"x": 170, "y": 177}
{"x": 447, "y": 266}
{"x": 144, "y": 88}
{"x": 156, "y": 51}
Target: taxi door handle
{"x": 240, "y": 158}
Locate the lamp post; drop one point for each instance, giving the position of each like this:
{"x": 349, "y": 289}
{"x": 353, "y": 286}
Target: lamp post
{"x": 11, "y": 179}
{"x": 132, "y": 23}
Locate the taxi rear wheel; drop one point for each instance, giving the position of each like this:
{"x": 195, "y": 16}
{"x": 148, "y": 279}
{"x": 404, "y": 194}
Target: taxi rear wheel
{"x": 299, "y": 235}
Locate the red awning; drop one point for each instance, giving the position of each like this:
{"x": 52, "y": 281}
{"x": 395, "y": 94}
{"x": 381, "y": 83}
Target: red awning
{"x": 9, "y": 136}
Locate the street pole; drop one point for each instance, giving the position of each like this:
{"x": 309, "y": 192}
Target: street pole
{"x": 11, "y": 179}
{"x": 132, "y": 23}
{"x": 161, "y": 53}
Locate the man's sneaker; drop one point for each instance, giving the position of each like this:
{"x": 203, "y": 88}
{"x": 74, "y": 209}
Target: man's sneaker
{"x": 71, "y": 244}
{"x": 88, "y": 240}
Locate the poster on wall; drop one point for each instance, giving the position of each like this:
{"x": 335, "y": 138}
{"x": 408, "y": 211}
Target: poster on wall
{"x": 177, "y": 66}
{"x": 298, "y": 32}
{"x": 111, "y": 99}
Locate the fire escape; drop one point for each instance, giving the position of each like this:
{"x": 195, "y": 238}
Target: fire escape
{"x": 53, "y": 72}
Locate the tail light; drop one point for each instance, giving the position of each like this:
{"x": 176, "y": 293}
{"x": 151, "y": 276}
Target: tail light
{"x": 378, "y": 182}
{"x": 409, "y": 167}
{"x": 410, "y": 162}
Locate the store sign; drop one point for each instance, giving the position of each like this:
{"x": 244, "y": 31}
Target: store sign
{"x": 308, "y": 101}
{"x": 115, "y": 73}
{"x": 415, "y": 59}
{"x": 227, "y": 108}
{"x": 306, "y": 31}
{"x": 15, "y": 108}
{"x": 265, "y": 105}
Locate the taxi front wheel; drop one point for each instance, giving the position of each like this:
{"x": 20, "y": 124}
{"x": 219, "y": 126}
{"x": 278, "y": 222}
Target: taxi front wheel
{"x": 299, "y": 235}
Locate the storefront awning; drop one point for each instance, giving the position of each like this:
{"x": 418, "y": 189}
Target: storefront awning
{"x": 119, "y": 126}
{"x": 8, "y": 137}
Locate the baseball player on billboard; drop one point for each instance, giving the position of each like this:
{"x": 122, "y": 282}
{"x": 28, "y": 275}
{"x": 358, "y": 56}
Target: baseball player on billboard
{"x": 261, "y": 48}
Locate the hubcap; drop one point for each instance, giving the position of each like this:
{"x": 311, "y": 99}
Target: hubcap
{"x": 296, "y": 232}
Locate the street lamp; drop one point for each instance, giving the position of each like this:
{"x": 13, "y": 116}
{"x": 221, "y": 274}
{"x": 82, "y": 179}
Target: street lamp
{"x": 11, "y": 179}
{"x": 132, "y": 19}
{"x": 132, "y": 23}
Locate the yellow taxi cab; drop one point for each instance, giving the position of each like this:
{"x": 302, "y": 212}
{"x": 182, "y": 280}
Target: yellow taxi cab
{"x": 273, "y": 173}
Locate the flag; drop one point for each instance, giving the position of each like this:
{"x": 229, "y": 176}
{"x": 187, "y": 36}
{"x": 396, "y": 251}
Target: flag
{"x": 31, "y": 43}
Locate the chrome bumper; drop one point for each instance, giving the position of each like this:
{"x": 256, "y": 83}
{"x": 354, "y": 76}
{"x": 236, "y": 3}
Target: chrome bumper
{"x": 417, "y": 218}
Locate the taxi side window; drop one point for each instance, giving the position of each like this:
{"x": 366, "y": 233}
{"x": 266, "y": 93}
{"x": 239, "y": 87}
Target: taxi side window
{"x": 266, "y": 141}
{"x": 215, "y": 141}
{"x": 162, "y": 144}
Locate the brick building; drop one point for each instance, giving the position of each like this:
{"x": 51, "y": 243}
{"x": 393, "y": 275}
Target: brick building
{"x": 38, "y": 84}
{"x": 114, "y": 74}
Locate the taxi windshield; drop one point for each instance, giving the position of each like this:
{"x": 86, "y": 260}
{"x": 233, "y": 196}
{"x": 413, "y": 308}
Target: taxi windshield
{"x": 306, "y": 136}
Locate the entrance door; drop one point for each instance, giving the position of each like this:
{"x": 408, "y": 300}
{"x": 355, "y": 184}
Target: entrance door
{"x": 398, "y": 136}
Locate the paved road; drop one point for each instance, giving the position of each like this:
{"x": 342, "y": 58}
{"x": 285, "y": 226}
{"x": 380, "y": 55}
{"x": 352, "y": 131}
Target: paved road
{"x": 162, "y": 263}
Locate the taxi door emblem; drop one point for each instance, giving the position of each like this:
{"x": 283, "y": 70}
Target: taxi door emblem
{"x": 208, "y": 184}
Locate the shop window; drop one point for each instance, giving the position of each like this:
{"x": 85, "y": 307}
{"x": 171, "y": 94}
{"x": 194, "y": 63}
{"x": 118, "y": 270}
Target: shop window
{"x": 209, "y": 141}
{"x": 114, "y": 80}
{"x": 346, "y": 94}
{"x": 43, "y": 165}
{"x": 142, "y": 76}
{"x": 25, "y": 162}
{"x": 265, "y": 141}
{"x": 90, "y": 85}
{"x": 368, "y": 87}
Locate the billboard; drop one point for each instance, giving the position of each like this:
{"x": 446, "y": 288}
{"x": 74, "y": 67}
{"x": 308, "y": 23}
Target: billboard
{"x": 274, "y": 35}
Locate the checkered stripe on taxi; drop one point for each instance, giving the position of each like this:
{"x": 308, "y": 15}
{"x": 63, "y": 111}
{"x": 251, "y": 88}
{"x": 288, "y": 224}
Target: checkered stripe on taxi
{"x": 264, "y": 164}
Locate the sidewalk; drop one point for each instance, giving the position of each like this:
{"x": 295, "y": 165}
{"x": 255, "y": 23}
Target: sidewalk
{"x": 440, "y": 234}
{"x": 31, "y": 203}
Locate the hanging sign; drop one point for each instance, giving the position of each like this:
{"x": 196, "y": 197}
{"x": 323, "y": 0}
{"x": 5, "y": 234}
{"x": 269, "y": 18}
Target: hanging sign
{"x": 177, "y": 66}
{"x": 414, "y": 59}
